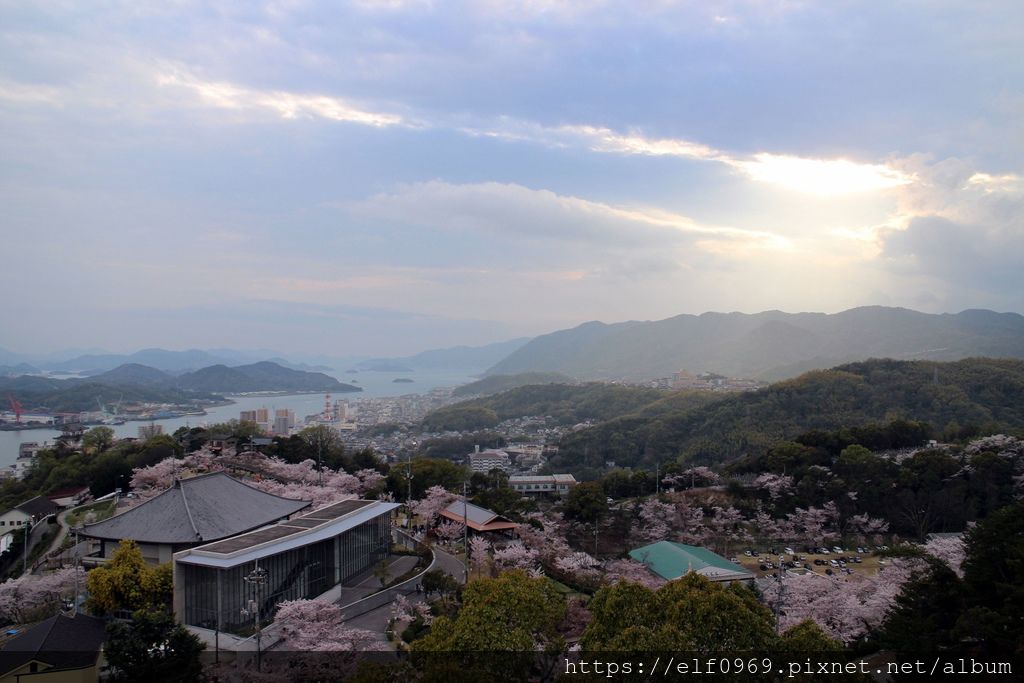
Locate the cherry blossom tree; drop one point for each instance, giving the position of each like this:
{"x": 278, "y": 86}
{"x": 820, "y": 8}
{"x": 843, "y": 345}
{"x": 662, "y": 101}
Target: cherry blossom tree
{"x": 631, "y": 572}
{"x": 435, "y": 499}
{"x": 693, "y": 477}
{"x": 846, "y": 608}
{"x": 29, "y": 598}
{"x": 450, "y": 531}
{"x": 515, "y": 555}
{"x": 317, "y": 626}
{"x": 656, "y": 519}
{"x": 579, "y": 564}
{"x": 405, "y": 610}
{"x": 479, "y": 553}
{"x": 777, "y": 485}
{"x": 949, "y": 549}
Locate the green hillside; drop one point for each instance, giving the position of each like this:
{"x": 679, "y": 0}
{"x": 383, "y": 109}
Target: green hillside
{"x": 979, "y": 394}
{"x": 567, "y": 404}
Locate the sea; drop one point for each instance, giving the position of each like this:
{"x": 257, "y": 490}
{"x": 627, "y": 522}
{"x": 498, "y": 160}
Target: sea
{"x": 374, "y": 385}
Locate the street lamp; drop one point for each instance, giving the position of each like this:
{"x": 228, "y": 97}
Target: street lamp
{"x": 256, "y": 578}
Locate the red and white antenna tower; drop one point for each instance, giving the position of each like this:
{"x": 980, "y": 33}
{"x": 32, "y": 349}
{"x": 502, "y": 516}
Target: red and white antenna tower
{"x": 328, "y": 413}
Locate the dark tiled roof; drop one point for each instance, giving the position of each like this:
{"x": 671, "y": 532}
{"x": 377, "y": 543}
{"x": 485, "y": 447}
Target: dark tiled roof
{"x": 204, "y": 508}
{"x": 38, "y": 507}
{"x": 61, "y": 641}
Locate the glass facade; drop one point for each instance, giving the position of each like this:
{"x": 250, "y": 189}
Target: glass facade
{"x": 300, "y": 573}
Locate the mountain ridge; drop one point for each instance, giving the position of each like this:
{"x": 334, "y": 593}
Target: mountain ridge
{"x": 769, "y": 345}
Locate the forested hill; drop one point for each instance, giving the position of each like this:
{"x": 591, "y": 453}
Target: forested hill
{"x": 495, "y": 384}
{"x": 962, "y": 397}
{"x": 770, "y": 346}
{"x": 567, "y": 404}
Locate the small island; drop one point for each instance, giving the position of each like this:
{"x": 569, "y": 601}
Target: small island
{"x": 402, "y": 380}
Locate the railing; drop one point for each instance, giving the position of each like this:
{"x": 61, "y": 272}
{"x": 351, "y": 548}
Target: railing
{"x": 386, "y": 595}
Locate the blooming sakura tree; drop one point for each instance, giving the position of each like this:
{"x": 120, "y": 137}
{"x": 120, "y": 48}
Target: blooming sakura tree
{"x": 631, "y": 572}
{"x": 515, "y": 555}
{"x": 30, "y": 598}
{"x": 693, "y": 477}
{"x": 579, "y": 564}
{"x": 656, "y": 519}
{"x": 450, "y": 531}
{"x": 404, "y": 609}
{"x": 437, "y": 498}
{"x": 870, "y": 528}
{"x": 810, "y": 524}
{"x": 950, "y": 550}
{"x": 777, "y": 485}
{"x": 479, "y": 553}
{"x": 316, "y": 626}
{"x": 845, "y": 608}
{"x": 303, "y": 481}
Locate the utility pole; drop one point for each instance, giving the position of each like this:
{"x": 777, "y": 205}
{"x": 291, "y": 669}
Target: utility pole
{"x": 657, "y": 478}
{"x": 465, "y": 532}
{"x": 256, "y": 578}
{"x": 778, "y": 600}
{"x": 319, "y": 459}
{"x": 24, "y": 557}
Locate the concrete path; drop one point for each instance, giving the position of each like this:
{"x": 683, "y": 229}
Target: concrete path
{"x": 377, "y": 620}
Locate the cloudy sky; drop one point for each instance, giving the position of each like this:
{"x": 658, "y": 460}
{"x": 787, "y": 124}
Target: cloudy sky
{"x": 405, "y": 174}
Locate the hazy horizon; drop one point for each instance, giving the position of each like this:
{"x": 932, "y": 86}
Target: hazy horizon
{"x": 393, "y": 176}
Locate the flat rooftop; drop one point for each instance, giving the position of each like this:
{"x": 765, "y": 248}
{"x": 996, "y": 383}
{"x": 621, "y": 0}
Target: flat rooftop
{"x": 312, "y": 527}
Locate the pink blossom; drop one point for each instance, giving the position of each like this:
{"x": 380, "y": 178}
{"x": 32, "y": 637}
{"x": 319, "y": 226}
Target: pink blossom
{"x": 950, "y": 550}
{"x": 631, "y": 572}
{"x": 515, "y": 555}
{"x": 316, "y": 626}
{"x": 29, "y": 598}
{"x": 450, "y": 531}
{"x": 436, "y": 499}
{"x": 777, "y": 485}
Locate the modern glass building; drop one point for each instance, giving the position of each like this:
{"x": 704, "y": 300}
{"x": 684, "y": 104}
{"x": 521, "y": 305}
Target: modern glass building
{"x": 219, "y": 586}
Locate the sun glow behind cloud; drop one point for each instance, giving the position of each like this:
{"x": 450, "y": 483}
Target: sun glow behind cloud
{"x": 821, "y": 177}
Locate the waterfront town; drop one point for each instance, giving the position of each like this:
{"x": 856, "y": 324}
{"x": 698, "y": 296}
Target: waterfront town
{"x": 403, "y": 341}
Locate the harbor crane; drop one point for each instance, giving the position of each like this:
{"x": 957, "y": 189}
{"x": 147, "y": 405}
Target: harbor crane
{"x": 16, "y": 407}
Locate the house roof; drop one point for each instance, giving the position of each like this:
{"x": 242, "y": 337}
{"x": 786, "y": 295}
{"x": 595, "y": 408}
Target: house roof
{"x": 67, "y": 491}
{"x": 479, "y": 519}
{"x": 208, "y": 507}
{"x": 670, "y": 560}
{"x": 38, "y": 507}
{"x": 63, "y": 642}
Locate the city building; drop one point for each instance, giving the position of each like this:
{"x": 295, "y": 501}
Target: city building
{"x": 220, "y": 586}
{"x": 540, "y": 483}
{"x": 480, "y": 519}
{"x": 671, "y": 560}
{"x": 147, "y": 432}
{"x": 490, "y": 459}
{"x": 193, "y": 511}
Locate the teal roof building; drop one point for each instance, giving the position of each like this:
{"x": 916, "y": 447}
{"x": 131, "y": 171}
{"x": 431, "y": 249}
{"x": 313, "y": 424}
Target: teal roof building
{"x": 670, "y": 560}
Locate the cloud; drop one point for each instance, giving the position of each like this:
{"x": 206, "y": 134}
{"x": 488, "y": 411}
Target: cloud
{"x": 288, "y": 105}
{"x": 513, "y": 211}
{"x": 960, "y": 229}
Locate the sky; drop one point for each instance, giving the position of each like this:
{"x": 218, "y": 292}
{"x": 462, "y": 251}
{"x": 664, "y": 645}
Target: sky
{"x": 382, "y": 177}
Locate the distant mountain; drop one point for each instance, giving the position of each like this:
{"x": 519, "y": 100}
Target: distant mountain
{"x": 495, "y": 384}
{"x": 262, "y": 376}
{"x": 300, "y": 366}
{"x": 466, "y": 359}
{"x": 19, "y": 369}
{"x": 135, "y": 374}
{"x": 168, "y": 361}
{"x": 771, "y": 345}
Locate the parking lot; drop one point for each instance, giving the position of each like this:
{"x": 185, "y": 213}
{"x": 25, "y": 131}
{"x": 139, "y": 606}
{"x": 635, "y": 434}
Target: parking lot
{"x": 868, "y": 565}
